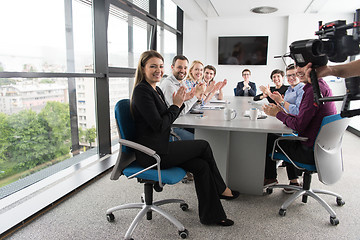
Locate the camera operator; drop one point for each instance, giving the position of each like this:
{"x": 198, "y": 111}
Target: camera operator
{"x": 306, "y": 123}
{"x": 350, "y": 69}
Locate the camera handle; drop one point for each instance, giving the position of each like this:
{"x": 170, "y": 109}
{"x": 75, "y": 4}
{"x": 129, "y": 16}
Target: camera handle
{"x": 315, "y": 85}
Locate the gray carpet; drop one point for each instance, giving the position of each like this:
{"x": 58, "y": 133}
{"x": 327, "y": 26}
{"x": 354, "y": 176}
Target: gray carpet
{"x": 82, "y": 216}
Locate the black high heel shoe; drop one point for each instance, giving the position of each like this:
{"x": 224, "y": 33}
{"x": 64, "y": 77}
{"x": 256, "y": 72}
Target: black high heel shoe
{"x": 226, "y": 222}
{"x": 235, "y": 194}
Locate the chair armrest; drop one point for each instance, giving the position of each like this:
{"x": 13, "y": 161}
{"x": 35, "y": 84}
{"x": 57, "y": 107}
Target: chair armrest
{"x": 292, "y": 138}
{"x": 287, "y": 138}
{"x": 147, "y": 151}
{"x": 137, "y": 146}
{"x": 174, "y": 134}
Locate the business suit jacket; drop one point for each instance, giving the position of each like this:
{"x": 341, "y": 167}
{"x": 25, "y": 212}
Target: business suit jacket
{"x": 152, "y": 117}
{"x": 240, "y": 91}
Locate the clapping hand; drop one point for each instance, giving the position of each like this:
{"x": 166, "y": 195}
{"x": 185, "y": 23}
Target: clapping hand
{"x": 190, "y": 94}
{"x": 276, "y": 96}
{"x": 179, "y": 96}
{"x": 200, "y": 90}
{"x": 210, "y": 88}
{"x": 223, "y": 84}
{"x": 266, "y": 90}
{"x": 271, "y": 109}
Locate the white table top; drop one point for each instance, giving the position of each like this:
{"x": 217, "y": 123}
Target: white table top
{"x": 214, "y": 119}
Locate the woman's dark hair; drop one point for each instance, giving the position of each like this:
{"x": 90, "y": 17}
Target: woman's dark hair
{"x": 277, "y": 71}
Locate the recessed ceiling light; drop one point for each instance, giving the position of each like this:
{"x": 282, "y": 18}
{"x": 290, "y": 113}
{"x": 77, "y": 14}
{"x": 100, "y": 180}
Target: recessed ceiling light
{"x": 264, "y": 10}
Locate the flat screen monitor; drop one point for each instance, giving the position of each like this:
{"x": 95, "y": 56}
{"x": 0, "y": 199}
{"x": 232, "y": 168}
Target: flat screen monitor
{"x": 247, "y": 50}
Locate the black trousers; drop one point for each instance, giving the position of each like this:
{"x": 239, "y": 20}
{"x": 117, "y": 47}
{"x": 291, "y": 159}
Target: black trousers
{"x": 196, "y": 156}
{"x": 294, "y": 149}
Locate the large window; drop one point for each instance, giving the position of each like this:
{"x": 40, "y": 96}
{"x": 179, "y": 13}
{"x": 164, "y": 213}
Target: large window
{"x": 35, "y": 111}
{"x": 62, "y": 62}
{"x": 128, "y": 37}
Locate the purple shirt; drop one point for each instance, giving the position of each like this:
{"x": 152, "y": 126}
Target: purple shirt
{"x": 307, "y": 123}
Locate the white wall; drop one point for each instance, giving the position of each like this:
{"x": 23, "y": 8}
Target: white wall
{"x": 274, "y": 27}
{"x": 195, "y": 39}
{"x": 201, "y": 39}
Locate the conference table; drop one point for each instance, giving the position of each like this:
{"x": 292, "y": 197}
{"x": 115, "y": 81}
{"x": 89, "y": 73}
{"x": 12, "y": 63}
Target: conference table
{"x": 238, "y": 145}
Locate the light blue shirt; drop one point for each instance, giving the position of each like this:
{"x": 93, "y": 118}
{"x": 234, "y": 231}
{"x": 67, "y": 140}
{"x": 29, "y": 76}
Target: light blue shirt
{"x": 294, "y": 96}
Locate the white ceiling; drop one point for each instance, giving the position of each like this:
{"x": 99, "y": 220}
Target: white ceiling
{"x": 200, "y": 9}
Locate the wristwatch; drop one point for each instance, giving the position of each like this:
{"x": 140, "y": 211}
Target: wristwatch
{"x": 282, "y": 103}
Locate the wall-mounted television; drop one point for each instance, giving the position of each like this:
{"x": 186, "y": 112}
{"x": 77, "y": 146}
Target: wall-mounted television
{"x": 239, "y": 50}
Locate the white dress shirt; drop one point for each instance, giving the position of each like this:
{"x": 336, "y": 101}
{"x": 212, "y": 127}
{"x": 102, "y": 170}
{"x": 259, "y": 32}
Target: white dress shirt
{"x": 171, "y": 85}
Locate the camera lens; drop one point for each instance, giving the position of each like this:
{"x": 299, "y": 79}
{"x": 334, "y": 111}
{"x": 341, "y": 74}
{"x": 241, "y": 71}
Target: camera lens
{"x": 317, "y": 47}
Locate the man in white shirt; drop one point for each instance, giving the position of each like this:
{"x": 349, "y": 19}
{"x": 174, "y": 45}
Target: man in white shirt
{"x": 171, "y": 84}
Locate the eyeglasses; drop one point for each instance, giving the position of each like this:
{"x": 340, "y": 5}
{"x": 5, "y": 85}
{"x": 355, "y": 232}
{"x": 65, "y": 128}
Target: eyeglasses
{"x": 291, "y": 75}
{"x": 246, "y": 74}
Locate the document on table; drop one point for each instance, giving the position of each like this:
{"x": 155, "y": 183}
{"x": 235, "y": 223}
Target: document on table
{"x": 217, "y": 101}
{"x": 211, "y": 106}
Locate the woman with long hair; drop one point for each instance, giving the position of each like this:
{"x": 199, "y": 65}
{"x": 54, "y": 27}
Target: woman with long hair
{"x": 153, "y": 119}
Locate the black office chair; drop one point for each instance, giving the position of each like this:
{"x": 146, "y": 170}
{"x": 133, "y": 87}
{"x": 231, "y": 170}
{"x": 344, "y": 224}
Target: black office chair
{"x": 152, "y": 177}
{"x": 328, "y": 164}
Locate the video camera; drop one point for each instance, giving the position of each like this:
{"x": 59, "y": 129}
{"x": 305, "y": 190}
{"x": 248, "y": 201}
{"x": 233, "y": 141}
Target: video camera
{"x": 335, "y": 45}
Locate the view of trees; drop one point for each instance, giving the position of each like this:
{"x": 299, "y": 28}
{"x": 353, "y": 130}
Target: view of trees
{"x": 29, "y": 139}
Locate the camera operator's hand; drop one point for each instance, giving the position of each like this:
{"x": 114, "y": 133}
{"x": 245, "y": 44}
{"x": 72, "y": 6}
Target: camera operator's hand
{"x": 346, "y": 70}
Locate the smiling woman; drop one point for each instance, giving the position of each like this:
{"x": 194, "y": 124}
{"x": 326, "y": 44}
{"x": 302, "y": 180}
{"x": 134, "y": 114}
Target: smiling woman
{"x": 51, "y": 93}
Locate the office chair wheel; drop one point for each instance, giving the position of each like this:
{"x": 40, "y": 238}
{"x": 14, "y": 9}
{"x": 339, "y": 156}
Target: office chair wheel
{"x": 184, "y": 234}
{"x": 340, "y": 202}
{"x": 157, "y": 187}
{"x": 282, "y": 212}
{"x": 269, "y": 190}
{"x": 184, "y": 206}
{"x": 110, "y": 217}
{"x": 334, "y": 221}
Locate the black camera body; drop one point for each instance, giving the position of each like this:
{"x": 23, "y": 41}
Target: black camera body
{"x": 333, "y": 44}
{"x": 336, "y": 45}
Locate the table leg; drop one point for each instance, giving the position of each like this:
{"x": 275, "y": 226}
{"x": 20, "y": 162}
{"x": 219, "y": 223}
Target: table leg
{"x": 240, "y": 157}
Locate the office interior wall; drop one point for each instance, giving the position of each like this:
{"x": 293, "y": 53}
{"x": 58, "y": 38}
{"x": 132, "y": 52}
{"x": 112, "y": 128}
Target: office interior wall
{"x": 195, "y": 39}
{"x": 274, "y": 27}
{"x": 201, "y": 39}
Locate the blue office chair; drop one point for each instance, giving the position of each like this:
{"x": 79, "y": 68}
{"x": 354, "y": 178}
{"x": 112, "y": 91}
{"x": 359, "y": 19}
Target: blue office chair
{"x": 234, "y": 91}
{"x": 328, "y": 164}
{"x": 152, "y": 177}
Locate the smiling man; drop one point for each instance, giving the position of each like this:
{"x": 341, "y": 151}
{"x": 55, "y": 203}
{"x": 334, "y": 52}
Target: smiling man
{"x": 171, "y": 85}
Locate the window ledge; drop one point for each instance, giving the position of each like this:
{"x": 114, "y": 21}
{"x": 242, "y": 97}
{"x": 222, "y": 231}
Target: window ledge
{"x": 20, "y": 206}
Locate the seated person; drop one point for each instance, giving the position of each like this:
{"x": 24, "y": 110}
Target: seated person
{"x": 153, "y": 120}
{"x": 195, "y": 75}
{"x": 293, "y": 95}
{"x": 277, "y": 77}
{"x": 212, "y": 88}
{"x": 172, "y": 84}
{"x": 246, "y": 88}
{"x": 307, "y": 123}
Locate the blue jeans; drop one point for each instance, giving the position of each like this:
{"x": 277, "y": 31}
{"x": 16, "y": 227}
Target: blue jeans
{"x": 184, "y": 134}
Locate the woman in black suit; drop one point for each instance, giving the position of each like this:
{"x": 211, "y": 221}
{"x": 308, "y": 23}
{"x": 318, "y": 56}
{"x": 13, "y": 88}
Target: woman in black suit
{"x": 153, "y": 119}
